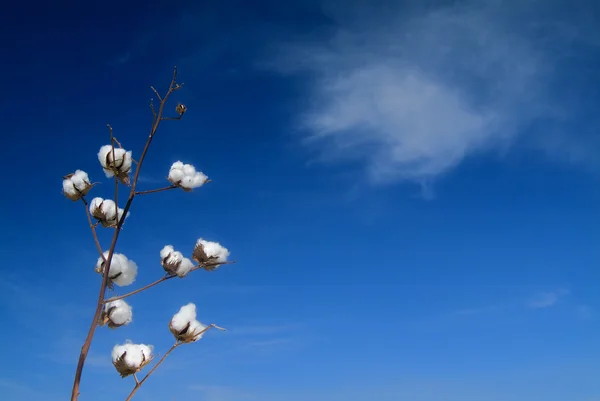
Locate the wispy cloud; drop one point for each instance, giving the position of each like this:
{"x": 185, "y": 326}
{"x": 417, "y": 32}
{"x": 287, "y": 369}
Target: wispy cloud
{"x": 546, "y": 299}
{"x": 412, "y": 91}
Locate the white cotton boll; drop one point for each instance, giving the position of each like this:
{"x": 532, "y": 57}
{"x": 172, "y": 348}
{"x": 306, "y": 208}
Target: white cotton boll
{"x": 199, "y": 180}
{"x": 185, "y": 267}
{"x": 166, "y": 251}
{"x": 176, "y": 176}
{"x": 127, "y": 162}
{"x": 109, "y": 208}
{"x": 80, "y": 180}
{"x": 103, "y": 156}
{"x": 189, "y": 170}
{"x": 69, "y": 189}
{"x": 129, "y": 358}
{"x": 186, "y": 314}
{"x": 214, "y": 250}
{"x": 95, "y": 204}
{"x": 119, "y": 312}
{"x": 76, "y": 185}
{"x": 186, "y": 176}
{"x": 122, "y": 270}
{"x": 196, "y": 330}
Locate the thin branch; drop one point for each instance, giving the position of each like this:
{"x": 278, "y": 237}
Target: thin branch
{"x": 151, "y": 191}
{"x": 156, "y": 93}
{"x": 177, "y": 344}
{"x": 105, "y": 276}
{"x": 139, "y": 384}
{"x": 160, "y": 280}
{"x": 172, "y": 118}
{"x": 93, "y": 228}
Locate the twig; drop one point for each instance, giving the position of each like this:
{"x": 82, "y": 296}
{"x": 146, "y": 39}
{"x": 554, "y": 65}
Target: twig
{"x": 177, "y": 344}
{"x": 160, "y": 280}
{"x": 93, "y": 228}
{"x": 156, "y": 93}
{"x": 151, "y": 191}
{"x": 139, "y": 384}
{"x": 101, "y": 294}
{"x": 172, "y": 118}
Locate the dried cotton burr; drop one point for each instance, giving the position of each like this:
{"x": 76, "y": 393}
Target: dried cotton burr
{"x": 209, "y": 254}
{"x": 116, "y": 314}
{"x": 76, "y": 185}
{"x": 174, "y": 263}
{"x": 106, "y": 212}
{"x": 115, "y": 162}
{"x": 186, "y": 177}
{"x": 122, "y": 271}
{"x": 130, "y": 358}
{"x": 184, "y": 325}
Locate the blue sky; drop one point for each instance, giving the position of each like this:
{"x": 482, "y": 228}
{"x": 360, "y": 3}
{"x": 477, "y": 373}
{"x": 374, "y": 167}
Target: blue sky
{"x": 410, "y": 190}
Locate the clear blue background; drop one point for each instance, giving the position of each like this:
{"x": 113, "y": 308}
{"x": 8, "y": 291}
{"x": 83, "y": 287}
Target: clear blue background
{"x": 482, "y": 287}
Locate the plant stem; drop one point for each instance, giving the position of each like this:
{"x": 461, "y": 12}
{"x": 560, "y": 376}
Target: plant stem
{"x": 151, "y": 191}
{"x": 160, "y": 280}
{"x": 100, "y": 303}
{"x": 138, "y": 384}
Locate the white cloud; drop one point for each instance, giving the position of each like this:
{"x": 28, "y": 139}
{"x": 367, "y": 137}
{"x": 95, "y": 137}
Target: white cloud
{"x": 411, "y": 93}
{"x": 547, "y": 299}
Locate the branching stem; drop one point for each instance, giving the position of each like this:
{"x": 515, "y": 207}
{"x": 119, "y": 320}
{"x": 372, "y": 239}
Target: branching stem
{"x": 101, "y": 294}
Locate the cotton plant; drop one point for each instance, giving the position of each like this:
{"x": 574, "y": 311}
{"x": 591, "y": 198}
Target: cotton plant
{"x": 118, "y": 270}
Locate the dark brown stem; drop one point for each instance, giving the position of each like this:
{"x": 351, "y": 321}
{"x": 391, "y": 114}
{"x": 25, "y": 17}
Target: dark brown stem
{"x": 100, "y": 303}
{"x": 151, "y": 191}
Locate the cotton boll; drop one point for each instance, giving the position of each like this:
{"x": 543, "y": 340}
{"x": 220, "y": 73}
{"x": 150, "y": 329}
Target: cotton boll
{"x": 122, "y": 270}
{"x": 196, "y": 330}
{"x": 186, "y": 176}
{"x": 176, "y": 175}
{"x": 174, "y": 263}
{"x": 116, "y": 313}
{"x": 186, "y": 315}
{"x": 166, "y": 251}
{"x": 109, "y": 208}
{"x": 130, "y": 358}
{"x": 184, "y": 325}
{"x": 189, "y": 170}
{"x": 185, "y": 267}
{"x": 76, "y": 185}
{"x": 103, "y": 157}
{"x": 209, "y": 252}
{"x": 116, "y": 161}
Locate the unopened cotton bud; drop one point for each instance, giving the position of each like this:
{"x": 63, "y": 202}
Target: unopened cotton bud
{"x": 184, "y": 325}
{"x": 106, "y": 212}
{"x": 209, "y": 254}
{"x": 122, "y": 271}
{"x": 180, "y": 109}
{"x": 186, "y": 177}
{"x": 130, "y": 358}
{"x": 115, "y": 162}
{"x": 174, "y": 263}
{"x": 76, "y": 185}
{"x": 116, "y": 314}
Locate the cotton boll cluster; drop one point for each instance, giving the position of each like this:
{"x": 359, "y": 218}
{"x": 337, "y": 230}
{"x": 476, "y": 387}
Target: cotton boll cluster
{"x": 174, "y": 263}
{"x": 122, "y": 271}
{"x": 184, "y": 325}
{"x": 130, "y": 358}
{"x": 209, "y": 253}
{"x": 115, "y": 162}
{"x": 76, "y": 185}
{"x": 116, "y": 314}
{"x": 186, "y": 176}
{"x": 106, "y": 212}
